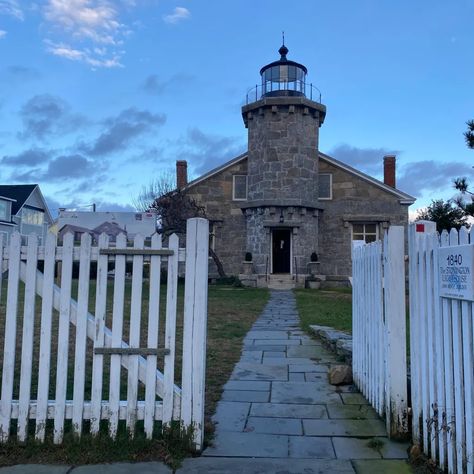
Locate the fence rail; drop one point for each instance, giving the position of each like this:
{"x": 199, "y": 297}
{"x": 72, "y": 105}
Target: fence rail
{"x": 60, "y": 356}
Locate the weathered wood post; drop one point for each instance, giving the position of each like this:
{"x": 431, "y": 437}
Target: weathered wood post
{"x": 395, "y": 333}
{"x": 195, "y": 328}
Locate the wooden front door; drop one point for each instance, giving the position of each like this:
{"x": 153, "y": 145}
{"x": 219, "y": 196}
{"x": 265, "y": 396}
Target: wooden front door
{"x": 281, "y": 251}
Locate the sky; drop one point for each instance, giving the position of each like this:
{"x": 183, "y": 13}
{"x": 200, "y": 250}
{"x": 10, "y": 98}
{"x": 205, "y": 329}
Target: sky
{"x": 100, "y": 97}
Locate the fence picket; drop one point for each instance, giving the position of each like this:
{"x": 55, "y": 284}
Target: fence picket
{"x": 448, "y": 373}
{"x": 81, "y": 334}
{"x": 468, "y": 360}
{"x": 459, "y": 434}
{"x": 8, "y": 372}
{"x": 170, "y": 330}
{"x": 423, "y": 327}
{"x": 197, "y": 249}
{"x": 45, "y": 336}
{"x": 152, "y": 340}
{"x": 134, "y": 336}
{"x": 27, "y": 337}
{"x": 438, "y": 369}
{"x": 117, "y": 331}
{"x": 414, "y": 269}
{"x": 63, "y": 338}
{"x": 98, "y": 359}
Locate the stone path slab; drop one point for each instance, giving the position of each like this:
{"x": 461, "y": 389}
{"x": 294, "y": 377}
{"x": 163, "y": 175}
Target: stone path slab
{"x": 206, "y": 465}
{"x": 278, "y": 404}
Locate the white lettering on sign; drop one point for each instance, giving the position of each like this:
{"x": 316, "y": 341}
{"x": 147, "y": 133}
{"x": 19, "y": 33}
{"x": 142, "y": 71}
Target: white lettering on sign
{"x": 456, "y": 275}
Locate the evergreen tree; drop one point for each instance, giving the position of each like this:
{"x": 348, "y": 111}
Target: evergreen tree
{"x": 469, "y": 134}
{"x": 445, "y": 213}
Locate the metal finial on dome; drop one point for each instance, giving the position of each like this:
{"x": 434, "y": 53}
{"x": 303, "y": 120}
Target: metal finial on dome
{"x": 283, "y": 52}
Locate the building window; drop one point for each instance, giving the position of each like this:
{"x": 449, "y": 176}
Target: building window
{"x": 5, "y": 237}
{"x": 32, "y": 216}
{"x": 239, "y": 188}
{"x": 365, "y": 232}
{"x": 325, "y": 186}
{"x": 3, "y": 210}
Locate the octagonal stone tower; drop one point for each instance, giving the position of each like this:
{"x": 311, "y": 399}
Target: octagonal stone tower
{"x": 282, "y": 208}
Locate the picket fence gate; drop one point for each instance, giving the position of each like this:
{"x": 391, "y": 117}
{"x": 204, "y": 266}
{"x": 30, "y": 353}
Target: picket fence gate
{"x": 378, "y": 328}
{"x": 28, "y": 370}
{"x": 442, "y": 353}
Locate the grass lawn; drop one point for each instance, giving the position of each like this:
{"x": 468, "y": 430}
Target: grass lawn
{"x": 231, "y": 312}
{"x": 325, "y": 307}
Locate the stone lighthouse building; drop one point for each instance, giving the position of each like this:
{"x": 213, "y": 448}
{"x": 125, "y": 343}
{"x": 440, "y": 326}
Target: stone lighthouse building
{"x": 296, "y": 211}
{"x": 282, "y": 207}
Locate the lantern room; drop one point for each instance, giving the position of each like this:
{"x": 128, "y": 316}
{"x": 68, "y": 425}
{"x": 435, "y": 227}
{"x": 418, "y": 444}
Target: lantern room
{"x": 283, "y": 77}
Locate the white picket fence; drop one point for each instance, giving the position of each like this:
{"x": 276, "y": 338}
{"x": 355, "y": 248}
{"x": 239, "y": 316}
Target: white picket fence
{"x": 39, "y": 360}
{"x": 442, "y": 352}
{"x": 379, "y": 328}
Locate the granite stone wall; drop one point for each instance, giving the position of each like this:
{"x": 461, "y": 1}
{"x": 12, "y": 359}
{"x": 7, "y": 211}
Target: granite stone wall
{"x": 228, "y": 221}
{"x": 283, "y": 158}
{"x": 354, "y": 201}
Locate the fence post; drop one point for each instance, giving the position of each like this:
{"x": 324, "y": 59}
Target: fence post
{"x": 395, "y": 323}
{"x": 195, "y": 328}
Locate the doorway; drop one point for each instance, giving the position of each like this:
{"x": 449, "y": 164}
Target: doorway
{"x": 281, "y": 251}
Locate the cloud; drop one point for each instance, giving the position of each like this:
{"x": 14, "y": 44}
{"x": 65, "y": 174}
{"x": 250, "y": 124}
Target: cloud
{"x": 153, "y": 85}
{"x": 11, "y": 8}
{"x": 368, "y": 160}
{"x": 23, "y": 73}
{"x": 3, "y": 33}
{"x": 206, "y": 151}
{"x": 33, "y": 157}
{"x": 45, "y": 115}
{"x": 179, "y": 14}
{"x": 429, "y": 175}
{"x": 95, "y": 20}
{"x": 88, "y": 31}
{"x": 94, "y": 57}
{"x": 122, "y": 129}
{"x": 66, "y": 167}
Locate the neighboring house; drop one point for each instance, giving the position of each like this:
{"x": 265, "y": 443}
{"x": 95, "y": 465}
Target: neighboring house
{"x": 111, "y": 223}
{"x": 23, "y": 209}
{"x": 112, "y": 229}
{"x": 284, "y": 200}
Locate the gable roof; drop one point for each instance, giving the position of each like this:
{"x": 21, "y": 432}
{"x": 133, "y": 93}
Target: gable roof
{"x": 404, "y": 197}
{"x": 20, "y": 194}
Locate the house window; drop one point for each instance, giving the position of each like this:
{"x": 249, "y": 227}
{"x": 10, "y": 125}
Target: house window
{"x": 239, "y": 188}
{"x": 365, "y": 232}
{"x": 32, "y": 216}
{"x": 325, "y": 186}
{"x": 3, "y": 210}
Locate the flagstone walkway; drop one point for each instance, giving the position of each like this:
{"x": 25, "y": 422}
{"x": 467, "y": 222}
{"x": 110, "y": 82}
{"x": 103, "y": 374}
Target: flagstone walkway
{"x": 279, "y": 409}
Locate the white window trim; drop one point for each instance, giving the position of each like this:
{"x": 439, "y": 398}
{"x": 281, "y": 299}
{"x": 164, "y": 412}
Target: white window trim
{"x": 246, "y": 187}
{"x": 364, "y": 224}
{"x": 7, "y": 210}
{"x": 330, "y": 188}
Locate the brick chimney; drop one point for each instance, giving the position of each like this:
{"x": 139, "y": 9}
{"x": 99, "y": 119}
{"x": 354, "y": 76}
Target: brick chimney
{"x": 181, "y": 173}
{"x": 389, "y": 170}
